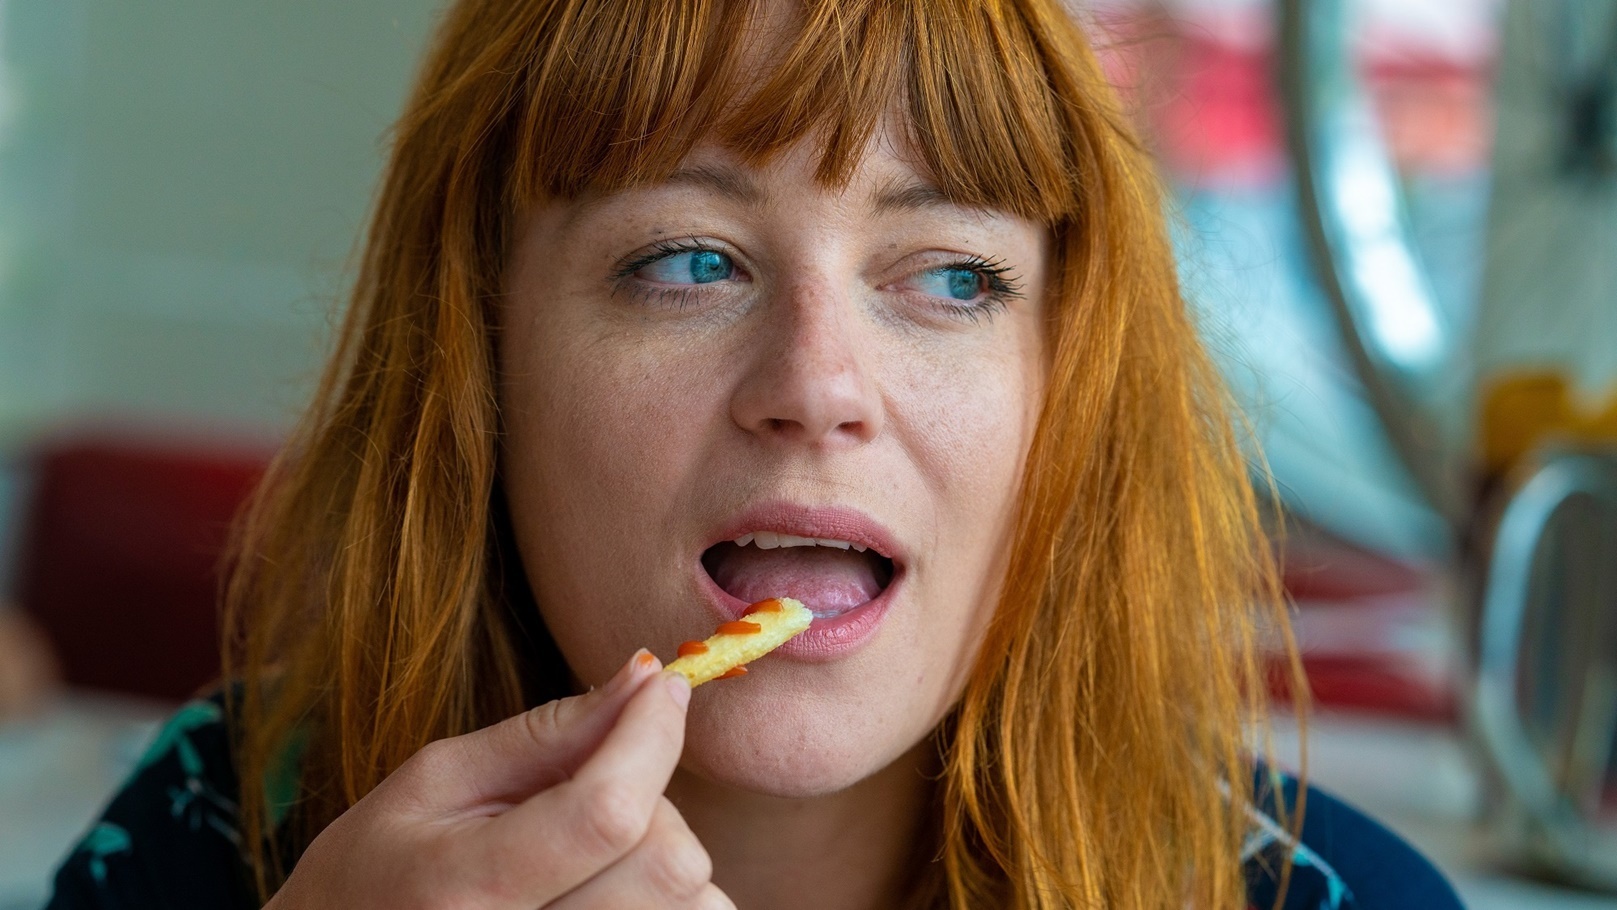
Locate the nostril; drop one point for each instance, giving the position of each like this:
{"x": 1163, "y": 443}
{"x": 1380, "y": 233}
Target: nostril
{"x": 792, "y": 429}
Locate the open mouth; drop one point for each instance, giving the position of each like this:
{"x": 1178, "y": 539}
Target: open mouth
{"x": 830, "y": 577}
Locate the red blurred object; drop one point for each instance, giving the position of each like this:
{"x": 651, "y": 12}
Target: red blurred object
{"x": 1372, "y": 631}
{"x": 1318, "y": 567}
{"x": 1224, "y": 123}
{"x": 1205, "y": 91}
{"x": 1373, "y": 684}
{"x": 121, "y": 550}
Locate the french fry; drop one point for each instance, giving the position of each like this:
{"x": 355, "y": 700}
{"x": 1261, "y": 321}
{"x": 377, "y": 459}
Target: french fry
{"x": 765, "y": 626}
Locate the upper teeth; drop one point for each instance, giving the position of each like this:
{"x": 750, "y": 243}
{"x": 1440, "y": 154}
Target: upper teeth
{"x": 769, "y": 540}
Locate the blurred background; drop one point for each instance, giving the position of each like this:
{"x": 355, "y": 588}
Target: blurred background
{"x": 1397, "y": 220}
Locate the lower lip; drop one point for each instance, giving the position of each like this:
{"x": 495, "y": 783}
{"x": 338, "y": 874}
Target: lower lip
{"x": 828, "y": 638}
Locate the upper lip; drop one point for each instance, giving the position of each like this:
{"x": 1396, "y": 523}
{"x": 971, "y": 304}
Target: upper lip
{"x": 822, "y": 522}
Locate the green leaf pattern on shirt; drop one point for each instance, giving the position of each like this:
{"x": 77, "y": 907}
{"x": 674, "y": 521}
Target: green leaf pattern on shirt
{"x": 104, "y": 840}
{"x": 195, "y": 804}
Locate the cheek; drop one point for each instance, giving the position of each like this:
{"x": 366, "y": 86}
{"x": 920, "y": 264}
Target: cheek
{"x": 611, "y": 428}
{"x": 979, "y": 425}
{"x": 971, "y": 428}
{"x": 597, "y": 439}
{"x": 604, "y": 417}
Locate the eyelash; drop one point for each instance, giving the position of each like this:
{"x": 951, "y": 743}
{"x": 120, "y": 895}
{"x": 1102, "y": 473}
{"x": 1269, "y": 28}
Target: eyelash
{"x": 1000, "y": 287}
{"x": 662, "y": 249}
{"x": 641, "y": 292}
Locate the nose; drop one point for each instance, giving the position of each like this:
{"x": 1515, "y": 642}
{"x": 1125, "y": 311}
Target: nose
{"x": 809, "y": 379}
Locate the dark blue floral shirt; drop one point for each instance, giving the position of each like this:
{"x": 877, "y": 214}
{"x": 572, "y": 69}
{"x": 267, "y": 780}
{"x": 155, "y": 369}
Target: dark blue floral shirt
{"x": 169, "y": 840}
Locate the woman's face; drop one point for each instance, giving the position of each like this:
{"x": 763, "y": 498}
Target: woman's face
{"x": 735, "y": 358}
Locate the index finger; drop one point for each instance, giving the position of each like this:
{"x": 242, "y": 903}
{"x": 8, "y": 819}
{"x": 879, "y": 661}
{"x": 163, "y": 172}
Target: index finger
{"x": 646, "y": 744}
{"x": 561, "y": 837}
{"x": 510, "y": 761}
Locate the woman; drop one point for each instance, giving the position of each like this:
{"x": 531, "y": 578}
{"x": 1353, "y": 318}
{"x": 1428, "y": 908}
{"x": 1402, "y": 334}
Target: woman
{"x": 651, "y": 285}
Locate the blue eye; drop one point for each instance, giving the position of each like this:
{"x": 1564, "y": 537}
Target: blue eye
{"x": 689, "y": 267}
{"x": 954, "y": 283}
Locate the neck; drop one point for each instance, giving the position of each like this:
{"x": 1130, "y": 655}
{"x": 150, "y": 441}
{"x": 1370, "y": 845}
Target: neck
{"x": 856, "y": 849}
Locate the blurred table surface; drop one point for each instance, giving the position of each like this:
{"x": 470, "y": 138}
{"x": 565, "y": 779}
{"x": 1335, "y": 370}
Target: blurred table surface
{"x": 57, "y": 770}
{"x": 1423, "y": 781}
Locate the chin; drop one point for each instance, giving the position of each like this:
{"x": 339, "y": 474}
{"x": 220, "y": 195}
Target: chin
{"x": 784, "y": 750}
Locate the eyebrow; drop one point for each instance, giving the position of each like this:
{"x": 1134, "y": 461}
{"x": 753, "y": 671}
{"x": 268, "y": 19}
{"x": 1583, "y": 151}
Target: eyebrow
{"x": 725, "y": 181}
{"x": 911, "y": 196}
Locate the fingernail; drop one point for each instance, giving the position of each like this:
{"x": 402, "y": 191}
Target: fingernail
{"x": 635, "y": 668}
{"x": 679, "y": 688}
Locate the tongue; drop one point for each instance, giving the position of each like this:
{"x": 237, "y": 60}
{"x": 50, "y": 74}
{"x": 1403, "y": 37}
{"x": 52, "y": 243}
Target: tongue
{"x": 825, "y": 579}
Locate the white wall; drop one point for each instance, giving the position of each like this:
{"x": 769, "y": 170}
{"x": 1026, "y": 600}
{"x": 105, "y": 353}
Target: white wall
{"x": 182, "y": 184}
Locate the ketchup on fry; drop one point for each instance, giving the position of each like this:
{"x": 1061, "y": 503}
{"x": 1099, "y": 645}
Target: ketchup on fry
{"x": 763, "y": 606}
{"x": 739, "y": 627}
{"x": 690, "y": 648}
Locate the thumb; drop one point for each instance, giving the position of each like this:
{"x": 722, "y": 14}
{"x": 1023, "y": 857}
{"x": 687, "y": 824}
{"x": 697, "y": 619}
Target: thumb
{"x": 522, "y": 755}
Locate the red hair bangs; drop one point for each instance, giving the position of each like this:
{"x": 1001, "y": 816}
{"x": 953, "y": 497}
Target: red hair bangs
{"x": 982, "y": 91}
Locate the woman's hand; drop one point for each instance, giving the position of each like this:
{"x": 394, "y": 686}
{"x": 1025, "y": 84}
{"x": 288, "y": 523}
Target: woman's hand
{"x": 560, "y": 807}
